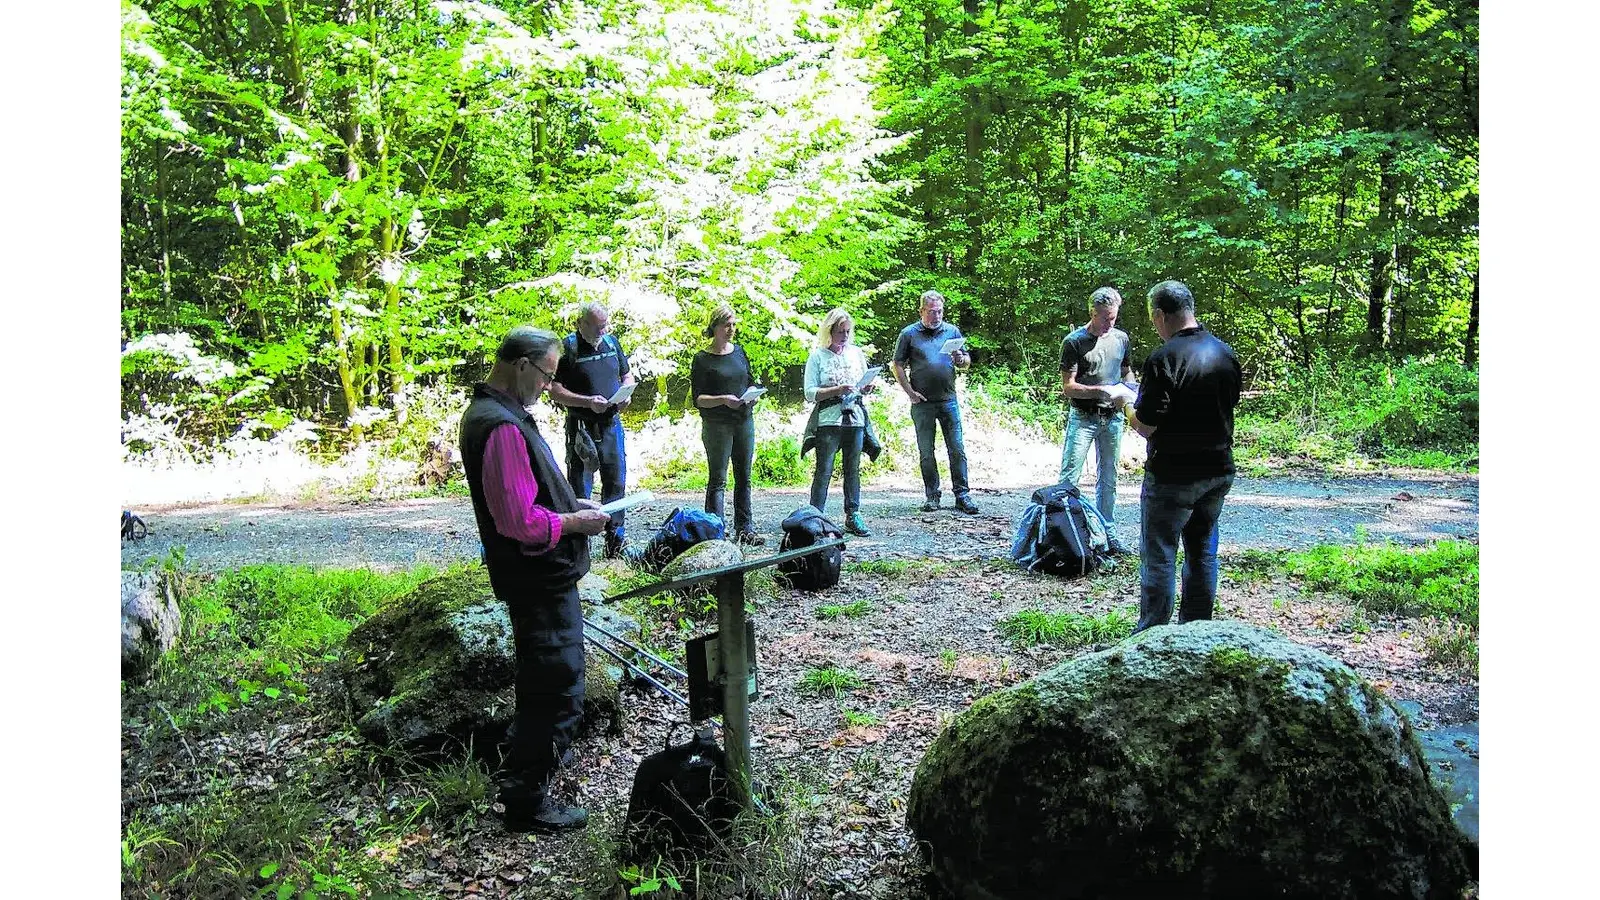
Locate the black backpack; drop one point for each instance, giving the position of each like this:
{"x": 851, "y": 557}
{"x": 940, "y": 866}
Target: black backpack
{"x": 1060, "y": 534}
{"x": 681, "y": 799}
{"x": 819, "y": 571}
{"x": 133, "y": 527}
{"x": 683, "y": 529}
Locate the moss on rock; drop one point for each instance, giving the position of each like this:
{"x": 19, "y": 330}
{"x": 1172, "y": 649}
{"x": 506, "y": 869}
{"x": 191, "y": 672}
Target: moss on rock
{"x": 702, "y": 557}
{"x": 1216, "y": 759}
{"x": 434, "y": 669}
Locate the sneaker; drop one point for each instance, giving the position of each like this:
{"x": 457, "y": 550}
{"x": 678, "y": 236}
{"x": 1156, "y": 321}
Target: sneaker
{"x": 752, "y": 539}
{"x": 545, "y": 815}
{"x": 854, "y": 525}
{"x": 966, "y": 506}
{"x": 1118, "y": 548}
{"x": 931, "y": 506}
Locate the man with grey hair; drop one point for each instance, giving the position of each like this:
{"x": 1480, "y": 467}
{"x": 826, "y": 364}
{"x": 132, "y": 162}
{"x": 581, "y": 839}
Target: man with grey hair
{"x": 1187, "y": 395}
{"x": 535, "y": 534}
{"x": 928, "y": 376}
{"x": 1094, "y": 358}
{"x": 591, "y": 370}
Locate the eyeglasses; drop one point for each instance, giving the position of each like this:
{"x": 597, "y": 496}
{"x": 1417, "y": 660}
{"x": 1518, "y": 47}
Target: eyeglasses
{"x": 537, "y": 368}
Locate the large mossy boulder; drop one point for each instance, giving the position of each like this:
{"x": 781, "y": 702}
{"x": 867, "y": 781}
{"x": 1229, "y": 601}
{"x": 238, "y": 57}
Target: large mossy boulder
{"x": 1213, "y": 759}
{"x": 702, "y": 557}
{"x": 433, "y": 670}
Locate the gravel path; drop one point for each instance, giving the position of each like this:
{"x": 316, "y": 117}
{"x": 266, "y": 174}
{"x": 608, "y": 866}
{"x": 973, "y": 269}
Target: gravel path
{"x": 1283, "y": 512}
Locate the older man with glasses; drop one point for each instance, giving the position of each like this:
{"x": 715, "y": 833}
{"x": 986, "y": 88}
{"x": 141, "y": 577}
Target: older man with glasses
{"x": 535, "y": 534}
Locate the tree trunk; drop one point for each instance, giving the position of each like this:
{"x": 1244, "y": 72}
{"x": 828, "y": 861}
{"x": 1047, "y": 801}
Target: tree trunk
{"x": 1470, "y": 356}
{"x": 973, "y": 149}
{"x": 1396, "y": 44}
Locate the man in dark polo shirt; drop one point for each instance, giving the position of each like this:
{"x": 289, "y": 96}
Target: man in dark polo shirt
{"x": 1095, "y": 357}
{"x": 591, "y": 370}
{"x": 535, "y": 535}
{"x": 1187, "y": 395}
{"x": 928, "y": 376}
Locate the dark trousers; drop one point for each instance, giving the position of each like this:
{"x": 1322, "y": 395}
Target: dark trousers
{"x": 946, "y": 415}
{"x": 1170, "y": 511}
{"x": 547, "y": 633}
{"x": 607, "y": 435}
{"x": 846, "y": 441}
{"x": 725, "y": 441}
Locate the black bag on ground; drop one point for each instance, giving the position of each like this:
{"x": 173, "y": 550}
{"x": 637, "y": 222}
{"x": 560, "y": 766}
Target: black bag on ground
{"x": 133, "y": 527}
{"x": 1059, "y": 534}
{"x": 683, "y": 529}
{"x": 819, "y": 571}
{"x": 681, "y": 799}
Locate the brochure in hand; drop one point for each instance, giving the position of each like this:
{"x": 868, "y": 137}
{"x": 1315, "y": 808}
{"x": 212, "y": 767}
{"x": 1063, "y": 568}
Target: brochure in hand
{"x": 754, "y": 393}
{"x": 622, "y": 395}
{"x": 627, "y": 503}
{"x": 953, "y": 345}
{"x": 868, "y": 378}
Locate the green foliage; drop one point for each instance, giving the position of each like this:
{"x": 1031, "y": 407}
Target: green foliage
{"x": 252, "y": 634}
{"x": 830, "y": 680}
{"x": 1420, "y": 413}
{"x": 777, "y": 464}
{"x": 1069, "y": 630}
{"x": 854, "y": 610}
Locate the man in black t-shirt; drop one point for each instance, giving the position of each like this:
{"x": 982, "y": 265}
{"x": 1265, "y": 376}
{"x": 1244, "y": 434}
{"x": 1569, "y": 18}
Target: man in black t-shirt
{"x": 1187, "y": 395}
{"x": 591, "y": 369}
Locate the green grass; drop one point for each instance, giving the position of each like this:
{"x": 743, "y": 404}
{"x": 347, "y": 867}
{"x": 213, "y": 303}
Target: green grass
{"x": 1440, "y": 580}
{"x": 852, "y": 610}
{"x": 830, "y": 680}
{"x": 250, "y": 635}
{"x": 892, "y": 568}
{"x": 1031, "y": 627}
{"x": 1437, "y": 582}
{"x": 859, "y": 719}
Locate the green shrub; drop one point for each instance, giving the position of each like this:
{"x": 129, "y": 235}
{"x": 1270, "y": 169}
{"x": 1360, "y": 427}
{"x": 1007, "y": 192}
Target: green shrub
{"x": 778, "y": 464}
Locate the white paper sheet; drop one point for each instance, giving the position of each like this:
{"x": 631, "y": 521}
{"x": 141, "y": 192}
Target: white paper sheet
{"x": 868, "y": 377}
{"x": 627, "y": 503}
{"x": 754, "y": 393}
{"x": 622, "y": 394}
{"x": 953, "y": 345}
{"x": 1121, "y": 393}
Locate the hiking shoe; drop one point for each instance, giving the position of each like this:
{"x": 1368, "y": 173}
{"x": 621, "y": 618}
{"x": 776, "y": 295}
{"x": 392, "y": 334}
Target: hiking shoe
{"x": 752, "y": 539}
{"x": 931, "y": 506}
{"x": 1118, "y": 548}
{"x": 854, "y": 525}
{"x": 966, "y": 506}
{"x": 544, "y": 815}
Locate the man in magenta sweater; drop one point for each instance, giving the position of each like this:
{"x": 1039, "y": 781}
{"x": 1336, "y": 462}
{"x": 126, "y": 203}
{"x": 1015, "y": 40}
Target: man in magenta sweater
{"x": 535, "y": 534}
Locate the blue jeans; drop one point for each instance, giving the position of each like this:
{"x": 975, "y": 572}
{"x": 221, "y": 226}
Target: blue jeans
{"x": 946, "y": 414}
{"x": 613, "y": 468}
{"x": 1104, "y": 433}
{"x": 1168, "y": 511}
{"x": 833, "y": 439}
{"x": 726, "y": 441}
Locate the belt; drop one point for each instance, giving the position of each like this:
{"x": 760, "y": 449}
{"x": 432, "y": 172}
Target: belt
{"x": 1106, "y": 411}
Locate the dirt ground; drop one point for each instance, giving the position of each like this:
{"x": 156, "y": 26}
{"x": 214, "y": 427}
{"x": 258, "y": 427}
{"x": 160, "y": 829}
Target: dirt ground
{"x": 926, "y": 646}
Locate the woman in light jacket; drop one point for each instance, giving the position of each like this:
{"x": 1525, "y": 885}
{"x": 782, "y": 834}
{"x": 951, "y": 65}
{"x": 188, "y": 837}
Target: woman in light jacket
{"x": 718, "y": 378}
{"x": 834, "y": 367}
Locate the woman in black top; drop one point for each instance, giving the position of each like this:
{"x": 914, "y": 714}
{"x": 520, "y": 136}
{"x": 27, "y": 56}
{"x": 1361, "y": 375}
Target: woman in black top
{"x": 718, "y": 377}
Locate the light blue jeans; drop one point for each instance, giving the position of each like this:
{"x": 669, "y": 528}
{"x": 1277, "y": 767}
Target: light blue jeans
{"x": 1085, "y": 430}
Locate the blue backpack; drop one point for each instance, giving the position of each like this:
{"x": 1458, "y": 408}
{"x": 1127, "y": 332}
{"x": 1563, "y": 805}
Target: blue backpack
{"x": 1061, "y": 534}
{"x": 682, "y": 530}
